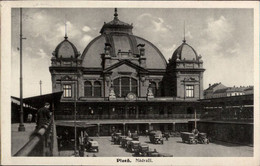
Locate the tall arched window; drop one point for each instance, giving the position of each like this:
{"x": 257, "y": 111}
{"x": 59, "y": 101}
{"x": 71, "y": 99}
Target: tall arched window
{"x": 153, "y": 87}
{"x": 134, "y": 86}
{"x": 160, "y": 89}
{"x": 97, "y": 89}
{"x": 87, "y": 89}
{"x": 117, "y": 86}
{"x": 124, "y": 85}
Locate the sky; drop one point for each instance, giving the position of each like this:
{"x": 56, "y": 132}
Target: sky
{"x": 223, "y": 37}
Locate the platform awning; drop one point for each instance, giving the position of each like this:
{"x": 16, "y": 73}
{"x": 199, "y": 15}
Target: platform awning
{"x": 38, "y": 101}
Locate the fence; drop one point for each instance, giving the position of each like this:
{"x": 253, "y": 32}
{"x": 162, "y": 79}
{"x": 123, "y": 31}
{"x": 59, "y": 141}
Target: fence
{"x": 43, "y": 142}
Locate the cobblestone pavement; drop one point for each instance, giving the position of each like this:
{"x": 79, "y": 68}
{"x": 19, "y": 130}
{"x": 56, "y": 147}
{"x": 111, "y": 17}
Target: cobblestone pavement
{"x": 174, "y": 146}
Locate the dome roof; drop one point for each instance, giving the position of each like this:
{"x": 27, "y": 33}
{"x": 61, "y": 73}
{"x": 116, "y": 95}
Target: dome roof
{"x": 91, "y": 56}
{"x": 119, "y": 36}
{"x": 185, "y": 52}
{"x": 66, "y": 50}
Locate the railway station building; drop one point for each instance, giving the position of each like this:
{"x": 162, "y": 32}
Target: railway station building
{"x": 123, "y": 82}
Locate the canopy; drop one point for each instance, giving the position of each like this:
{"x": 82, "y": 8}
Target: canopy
{"x": 38, "y": 101}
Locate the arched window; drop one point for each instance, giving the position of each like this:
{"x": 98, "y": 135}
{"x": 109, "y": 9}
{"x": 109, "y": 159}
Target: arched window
{"x": 87, "y": 89}
{"x": 160, "y": 89}
{"x": 117, "y": 87}
{"x": 153, "y": 87}
{"x": 97, "y": 89}
{"x": 134, "y": 86}
{"x": 124, "y": 85}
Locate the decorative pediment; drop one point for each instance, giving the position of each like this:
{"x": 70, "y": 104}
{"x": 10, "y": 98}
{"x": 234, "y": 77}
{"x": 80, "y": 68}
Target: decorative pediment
{"x": 190, "y": 79}
{"x": 128, "y": 64}
{"x": 66, "y": 78}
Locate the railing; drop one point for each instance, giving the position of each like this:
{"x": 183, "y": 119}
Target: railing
{"x": 139, "y": 116}
{"x": 42, "y": 142}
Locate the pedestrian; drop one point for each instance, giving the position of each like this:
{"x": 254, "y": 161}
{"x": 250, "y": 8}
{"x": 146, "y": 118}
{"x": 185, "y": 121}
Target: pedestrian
{"x": 129, "y": 133}
{"x": 43, "y": 116}
{"x": 146, "y": 132}
{"x": 29, "y": 118}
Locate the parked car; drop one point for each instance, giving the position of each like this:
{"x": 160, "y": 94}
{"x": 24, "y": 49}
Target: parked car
{"x": 188, "y": 137}
{"x": 156, "y": 137}
{"x": 202, "y": 138}
{"x": 91, "y": 145}
{"x": 126, "y": 141}
{"x": 116, "y": 138}
{"x": 121, "y": 139}
{"x": 142, "y": 150}
{"x": 133, "y": 146}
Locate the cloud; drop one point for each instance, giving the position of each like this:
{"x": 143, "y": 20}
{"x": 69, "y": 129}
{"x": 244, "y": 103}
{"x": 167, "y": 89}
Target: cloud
{"x": 85, "y": 40}
{"x": 216, "y": 37}
{"x": 168, "y": 51}
{"x": 72, "y": 31}
{"x": 86, "y": 29}
{"x": 188, "y": 35}
{"x": 42, "y": 54}
{"x": 156, "y": 30}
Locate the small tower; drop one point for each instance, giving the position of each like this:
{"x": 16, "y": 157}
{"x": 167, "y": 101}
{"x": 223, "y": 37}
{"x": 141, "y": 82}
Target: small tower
{"x": 184, "y": 77}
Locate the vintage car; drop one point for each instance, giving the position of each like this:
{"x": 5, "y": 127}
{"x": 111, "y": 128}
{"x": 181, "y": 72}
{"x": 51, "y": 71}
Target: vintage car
{"x": 121, "y": 139}
{"x": 156, "y": 137}
{"x": 132, "y": 146}
{"x": 91, "y": 146}
{"x": 202, "y": 138}
{"x": 126, "y": 141}
{"x": 115, "y": 137}
{"x": 188, "y": 137}
{"x": 142, "y": 150}
{"x": 135, "y": 136}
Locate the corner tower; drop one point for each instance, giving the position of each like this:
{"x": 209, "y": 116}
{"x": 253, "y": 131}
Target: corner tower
{"x": 184, "y": 74}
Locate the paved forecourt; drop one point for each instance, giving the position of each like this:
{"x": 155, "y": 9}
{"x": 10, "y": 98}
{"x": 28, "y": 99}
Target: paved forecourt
{"x": 174, "y": 146}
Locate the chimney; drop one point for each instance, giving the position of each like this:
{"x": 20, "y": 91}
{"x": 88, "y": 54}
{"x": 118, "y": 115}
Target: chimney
{"x": 209, "y": 85}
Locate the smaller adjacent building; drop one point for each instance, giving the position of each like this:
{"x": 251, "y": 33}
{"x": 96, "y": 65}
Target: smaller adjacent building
{"x": 218, "y": 90}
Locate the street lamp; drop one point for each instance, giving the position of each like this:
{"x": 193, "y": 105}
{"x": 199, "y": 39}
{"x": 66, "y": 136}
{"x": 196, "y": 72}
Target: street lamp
{"x": 75, "y": 110}
{"x": 21, "y": 125}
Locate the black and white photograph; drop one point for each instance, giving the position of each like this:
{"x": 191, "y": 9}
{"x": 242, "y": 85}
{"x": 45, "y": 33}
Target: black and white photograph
{"x": 135, "y": 83}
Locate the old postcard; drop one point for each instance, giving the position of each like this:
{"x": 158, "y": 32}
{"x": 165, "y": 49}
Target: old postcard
{"x": 129, "y": 83}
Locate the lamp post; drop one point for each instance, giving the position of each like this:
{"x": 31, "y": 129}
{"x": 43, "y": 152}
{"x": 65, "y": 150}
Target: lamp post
{"x": 40, "y": 87}
{"x": 21, "y": 125}
{"x": 75, "y": 110}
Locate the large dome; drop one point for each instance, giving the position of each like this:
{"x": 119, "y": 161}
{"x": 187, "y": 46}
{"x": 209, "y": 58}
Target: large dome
{"x": 66, "y": 50}
{"x": 185, "y": 52}
{"x": 119, "y": 35}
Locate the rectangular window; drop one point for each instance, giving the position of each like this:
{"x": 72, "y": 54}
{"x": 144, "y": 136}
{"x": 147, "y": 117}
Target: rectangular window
{"x": 189, "y": 91}
{"x": 67, "y": 91}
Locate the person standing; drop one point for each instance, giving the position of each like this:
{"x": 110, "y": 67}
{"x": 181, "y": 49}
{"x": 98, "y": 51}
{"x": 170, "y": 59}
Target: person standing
{"x": 43, "y": 116}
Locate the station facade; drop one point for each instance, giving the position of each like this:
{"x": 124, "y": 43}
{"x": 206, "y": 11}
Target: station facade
{"x": 123, "y": 82}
